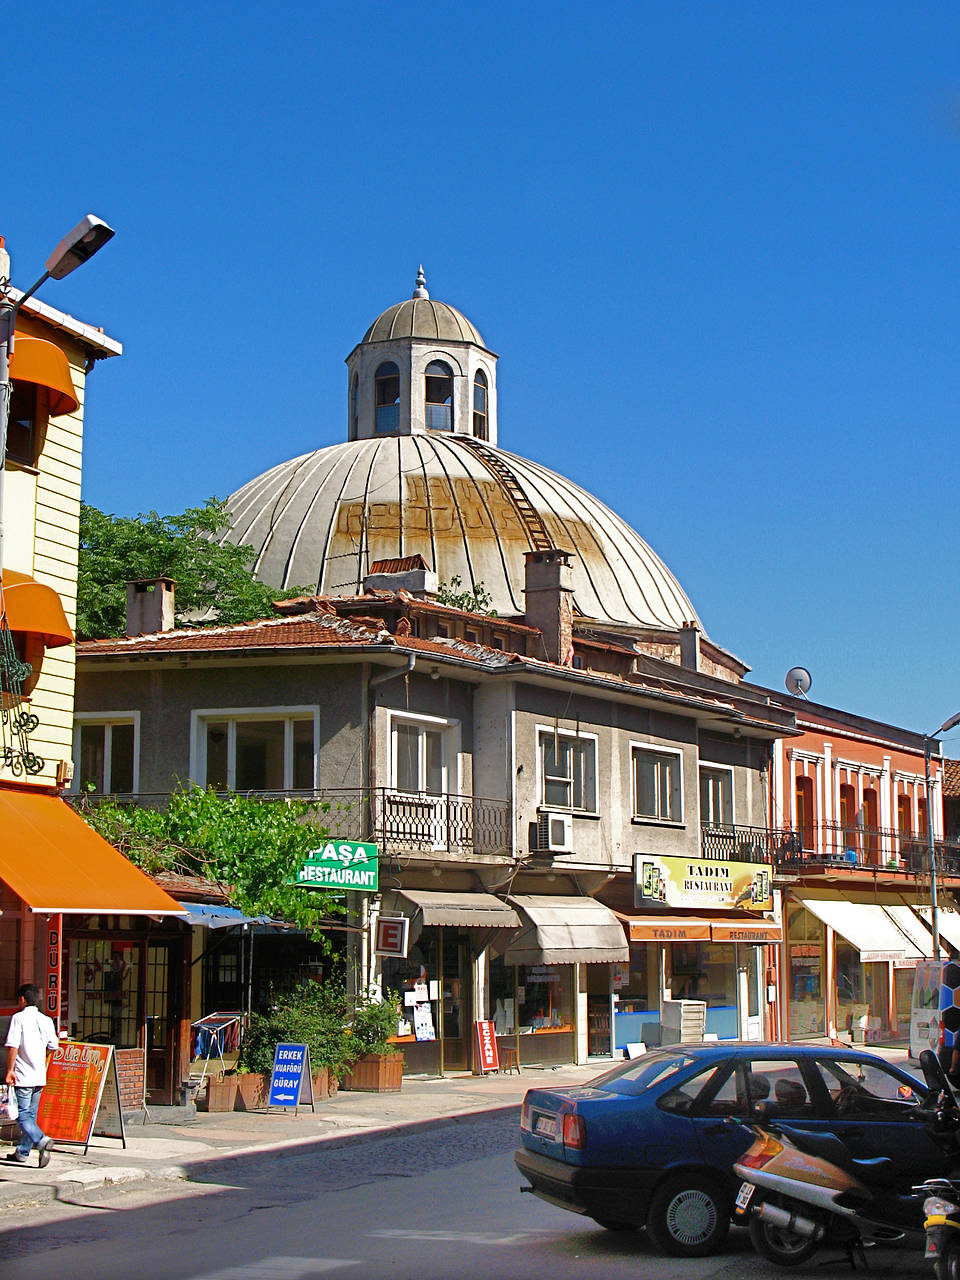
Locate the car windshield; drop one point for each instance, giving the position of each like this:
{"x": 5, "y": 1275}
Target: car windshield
{"x": 637, "y": 1074}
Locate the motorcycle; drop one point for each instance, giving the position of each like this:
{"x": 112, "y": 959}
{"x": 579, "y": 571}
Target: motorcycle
{"x": 941, "y": 1209}
{"x": 802, "y": 1190}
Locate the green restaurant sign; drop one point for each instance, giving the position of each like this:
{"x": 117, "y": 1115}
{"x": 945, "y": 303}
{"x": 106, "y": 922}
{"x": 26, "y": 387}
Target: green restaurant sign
{"x": 341, "y": 864}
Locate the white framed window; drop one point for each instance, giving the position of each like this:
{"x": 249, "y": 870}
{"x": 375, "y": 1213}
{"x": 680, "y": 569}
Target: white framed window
{"x": 567, "y": 764}
{"x": 422, "y": 752}
{"x": 255, "y": 749}
{"x": 716, "y": 796}
{"x": 106, "y": 749}
{"x": 657, "y": 783}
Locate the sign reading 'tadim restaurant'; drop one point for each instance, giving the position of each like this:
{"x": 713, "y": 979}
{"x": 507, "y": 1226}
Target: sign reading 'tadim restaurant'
{"x": 341, "y": 864}
{"x": 669, "y": 881}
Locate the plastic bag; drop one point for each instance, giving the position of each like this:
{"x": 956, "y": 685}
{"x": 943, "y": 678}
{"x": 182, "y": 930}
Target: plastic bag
{"x": 8, "y": 1102}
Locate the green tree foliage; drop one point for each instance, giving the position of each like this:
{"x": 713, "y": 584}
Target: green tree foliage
{"x": 251, "y": 847}
{"x": 211, "y": 579}
{"x": 455, "y": 596}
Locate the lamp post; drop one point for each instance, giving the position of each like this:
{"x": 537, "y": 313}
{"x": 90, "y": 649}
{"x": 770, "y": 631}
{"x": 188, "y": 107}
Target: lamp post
{"x": 934, "y": 909}
{"x": 89, "y": 235}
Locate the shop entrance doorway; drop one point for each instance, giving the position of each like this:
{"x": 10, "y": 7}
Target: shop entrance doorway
{"x": 749, "y": 994}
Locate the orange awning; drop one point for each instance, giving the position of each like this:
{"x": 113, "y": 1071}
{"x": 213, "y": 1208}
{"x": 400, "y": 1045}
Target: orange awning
{"x": 41, "y": 362}
{"x": 669, "y": 929}
{"x": 57, "y": 863}
{"x": 745, "y": 931}
{"x": 35, "y": 608}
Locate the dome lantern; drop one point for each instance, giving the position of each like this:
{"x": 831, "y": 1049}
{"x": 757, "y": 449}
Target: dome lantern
{"x": 421, "y": 367}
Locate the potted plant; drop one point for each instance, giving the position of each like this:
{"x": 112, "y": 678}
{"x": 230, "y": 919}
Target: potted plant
{"x": 313, "y": 1015}
{"x": 376, "y": 1065}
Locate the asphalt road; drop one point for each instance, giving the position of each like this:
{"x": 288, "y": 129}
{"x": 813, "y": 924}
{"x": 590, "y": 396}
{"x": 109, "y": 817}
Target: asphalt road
{"x": 438, "y": 1205}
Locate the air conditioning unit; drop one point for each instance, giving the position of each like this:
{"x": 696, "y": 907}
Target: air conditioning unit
{"x": 555, "y": 832}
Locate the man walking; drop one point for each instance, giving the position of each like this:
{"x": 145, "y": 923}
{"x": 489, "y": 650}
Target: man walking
{"x": 30, "y": 1035}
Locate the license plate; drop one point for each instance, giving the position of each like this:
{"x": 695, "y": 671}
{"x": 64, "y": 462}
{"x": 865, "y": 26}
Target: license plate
{"x": 744, "y": 1196}
{"x": 546, "y": 1126}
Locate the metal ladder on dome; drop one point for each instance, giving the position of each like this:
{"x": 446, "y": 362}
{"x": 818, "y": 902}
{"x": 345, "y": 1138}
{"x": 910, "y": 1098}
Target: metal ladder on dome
{"x": 530, "y": 518}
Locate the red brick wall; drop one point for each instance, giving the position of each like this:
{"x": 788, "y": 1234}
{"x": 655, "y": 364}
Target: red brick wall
{"x": 131, "y": 1069}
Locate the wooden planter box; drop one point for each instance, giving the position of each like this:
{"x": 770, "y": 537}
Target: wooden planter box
{"x": 375, "y": 1073}
{"x": 321, "y": 1084}
{"x": 221, "y": 1094}
{"x": 253, "y": 1090}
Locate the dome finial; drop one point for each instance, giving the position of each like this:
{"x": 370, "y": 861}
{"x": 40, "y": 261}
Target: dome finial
{"x": 421, "y": 290}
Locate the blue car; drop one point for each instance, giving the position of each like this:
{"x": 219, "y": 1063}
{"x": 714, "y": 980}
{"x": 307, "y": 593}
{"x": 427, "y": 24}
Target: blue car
{"x": 650, "y": 1143}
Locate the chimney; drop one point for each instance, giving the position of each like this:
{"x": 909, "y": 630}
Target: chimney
{"x": 549, "y": 601}
{"x": 150, "y": 606}
{"x": 690, "y": 646}
{"x": 409, "y": 573}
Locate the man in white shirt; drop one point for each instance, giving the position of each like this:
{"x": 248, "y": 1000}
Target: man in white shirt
{"x": 30, "y": 1035}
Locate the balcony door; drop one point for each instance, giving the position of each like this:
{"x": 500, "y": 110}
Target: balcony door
{"x": 417, "y": 810}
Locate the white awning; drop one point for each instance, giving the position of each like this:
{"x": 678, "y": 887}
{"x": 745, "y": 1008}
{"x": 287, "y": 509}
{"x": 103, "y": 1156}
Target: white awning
{"x": 906, "y": 918}
{"x": 948, "y": 921}
{"x": 866, "y": 926}
{"x": 459, "y": 910}
{"x": 559, "y": 930}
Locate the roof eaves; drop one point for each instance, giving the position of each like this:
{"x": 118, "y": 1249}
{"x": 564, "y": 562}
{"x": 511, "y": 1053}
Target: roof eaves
{"x": 87, "y": 333}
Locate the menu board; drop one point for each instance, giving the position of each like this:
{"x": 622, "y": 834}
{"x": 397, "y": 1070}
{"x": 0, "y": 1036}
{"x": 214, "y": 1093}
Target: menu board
{"x": 82, "y": 1094}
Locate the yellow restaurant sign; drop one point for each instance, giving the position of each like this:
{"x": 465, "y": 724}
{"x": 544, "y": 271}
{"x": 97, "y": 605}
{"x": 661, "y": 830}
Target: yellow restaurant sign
{"x": 700, "y": 883}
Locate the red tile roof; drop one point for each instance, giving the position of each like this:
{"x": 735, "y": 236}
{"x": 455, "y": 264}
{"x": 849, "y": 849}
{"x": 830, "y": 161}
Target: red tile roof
{"x": 951, "y": 777}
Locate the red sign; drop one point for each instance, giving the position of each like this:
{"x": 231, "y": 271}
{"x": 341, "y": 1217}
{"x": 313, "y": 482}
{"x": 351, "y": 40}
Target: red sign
{"x": 392, "y": 934}
{"x": 487, "y": 1054}
{"x": 76, "y": 1075}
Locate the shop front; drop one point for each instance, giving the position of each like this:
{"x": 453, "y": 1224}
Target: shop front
{"x": 848, "y": 965}
{"x": 436, "y": 982}
{"x": 699, "y": 932}
{"x": 99, "y": 937}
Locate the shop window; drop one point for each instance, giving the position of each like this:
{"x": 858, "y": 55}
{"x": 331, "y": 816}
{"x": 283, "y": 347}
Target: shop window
{"x": 568, "y": 771}
{"x": 716, "y": 797}
{"x": 805, "y": 979}
{"x": 103, "y": 977}
{"x": 439, "y": 396}
{"x": 262, "y": 753}
{"x": 105, "y": 754}
{"x": 480, "y": 428}
{"x": 657, "y": 784}
{"x": 386, "y": 385}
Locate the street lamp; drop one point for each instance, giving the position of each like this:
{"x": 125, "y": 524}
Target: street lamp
{"x": 934, "y": 909}
{"x": 74, "y": 249}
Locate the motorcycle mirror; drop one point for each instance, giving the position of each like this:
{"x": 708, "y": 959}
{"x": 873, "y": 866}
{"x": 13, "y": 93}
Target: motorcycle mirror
{"x": 933, "y": 1072}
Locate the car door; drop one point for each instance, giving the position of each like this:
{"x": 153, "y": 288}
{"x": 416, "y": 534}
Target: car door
{"x": 875, "y": 1112}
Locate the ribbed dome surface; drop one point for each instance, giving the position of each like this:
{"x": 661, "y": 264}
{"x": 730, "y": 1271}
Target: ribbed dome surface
{"x": 422, "y": 318}
{"x": 321, "y": 520}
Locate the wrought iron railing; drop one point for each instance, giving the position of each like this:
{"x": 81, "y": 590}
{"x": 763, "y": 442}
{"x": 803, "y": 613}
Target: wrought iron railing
{"x": 728, "y": 843}
{"x": 17, "y": 721}
{"x": 838, "y": 844}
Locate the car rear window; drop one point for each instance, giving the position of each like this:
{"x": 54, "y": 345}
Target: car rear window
{"x": 638, "y": 1074}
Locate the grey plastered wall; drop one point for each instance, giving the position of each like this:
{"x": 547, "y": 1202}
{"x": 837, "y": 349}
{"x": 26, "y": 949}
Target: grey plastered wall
{"x": 415, "y": 695}
{"x": 165, "y": 697}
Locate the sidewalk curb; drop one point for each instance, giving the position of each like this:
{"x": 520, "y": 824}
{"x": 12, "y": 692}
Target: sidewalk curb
{"x": 205, "y": 1168}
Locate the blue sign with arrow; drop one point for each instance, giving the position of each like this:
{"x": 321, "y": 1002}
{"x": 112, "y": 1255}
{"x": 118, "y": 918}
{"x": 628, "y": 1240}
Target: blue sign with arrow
{"x": 291, "y": 1082}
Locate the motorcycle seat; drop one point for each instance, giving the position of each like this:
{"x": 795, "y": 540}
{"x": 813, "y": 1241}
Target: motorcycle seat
{"x": 876, "y": 1170}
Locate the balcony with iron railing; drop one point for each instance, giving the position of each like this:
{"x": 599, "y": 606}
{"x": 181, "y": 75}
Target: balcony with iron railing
{"x": 729, "y": 843}
{"x": 836, "y": 845}
{"x": 398, "y": 822}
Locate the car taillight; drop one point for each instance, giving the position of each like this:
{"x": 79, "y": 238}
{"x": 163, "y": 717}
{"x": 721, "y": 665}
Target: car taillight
{"x": 761, "y": 1153}
{"x": 574, "y": 1131}
{"x": 525, "y": 1116}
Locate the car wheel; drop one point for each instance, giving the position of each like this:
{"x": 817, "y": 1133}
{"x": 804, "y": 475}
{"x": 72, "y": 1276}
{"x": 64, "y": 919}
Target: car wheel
{"x": 688, "y": 1217}
{"x": 778, "y": 1244}
{"x": 613, "y": 1224}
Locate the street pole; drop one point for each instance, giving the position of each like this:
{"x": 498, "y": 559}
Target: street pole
{"x": 934, "y": 909}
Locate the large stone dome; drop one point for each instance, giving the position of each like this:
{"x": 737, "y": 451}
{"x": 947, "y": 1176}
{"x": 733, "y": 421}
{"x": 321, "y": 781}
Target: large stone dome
{"x": 471, "y": 510}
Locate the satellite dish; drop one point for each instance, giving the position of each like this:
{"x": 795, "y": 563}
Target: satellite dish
{"x": 798, "y": 681}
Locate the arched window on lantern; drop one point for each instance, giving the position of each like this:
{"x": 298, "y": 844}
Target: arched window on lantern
{"x": 354, "y": 407}
{"x": 480, "y": 428}
{"x": 439, "y": 396}
{"x": 387, "y": 396}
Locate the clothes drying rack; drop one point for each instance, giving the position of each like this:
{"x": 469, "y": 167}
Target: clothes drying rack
{"x": 217, "y": 1027}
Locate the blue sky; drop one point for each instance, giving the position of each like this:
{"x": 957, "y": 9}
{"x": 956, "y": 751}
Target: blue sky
{"x": 715, "y": 246}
